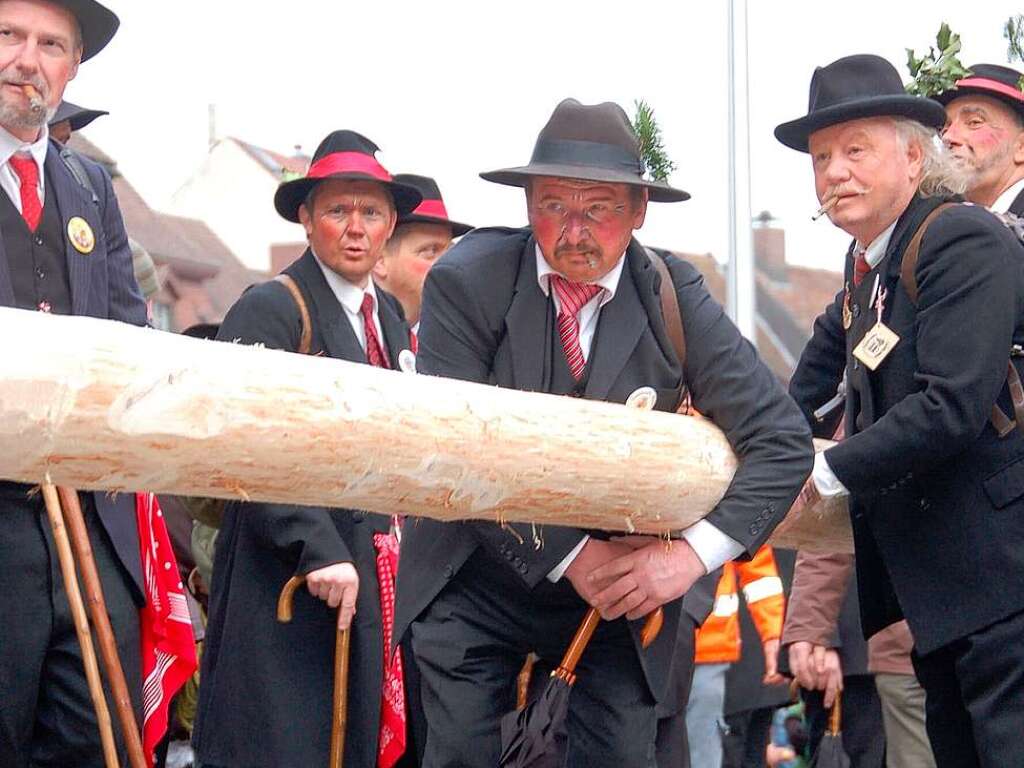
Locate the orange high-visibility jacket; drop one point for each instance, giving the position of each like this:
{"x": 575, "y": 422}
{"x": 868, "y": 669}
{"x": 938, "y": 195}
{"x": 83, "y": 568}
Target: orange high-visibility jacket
{"x": 718, "y": 638}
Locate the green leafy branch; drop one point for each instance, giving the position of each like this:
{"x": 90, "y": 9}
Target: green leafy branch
{"x": 937, "y": 70}
{"x": 1014, "y": 34}
{"x": 652, "y": 150}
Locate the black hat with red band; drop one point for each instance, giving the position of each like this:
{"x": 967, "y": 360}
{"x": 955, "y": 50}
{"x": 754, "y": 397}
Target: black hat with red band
{"x": 349, "y": 156}
{"x": 432, "y": 210}
{"x": 1002, "y": 83}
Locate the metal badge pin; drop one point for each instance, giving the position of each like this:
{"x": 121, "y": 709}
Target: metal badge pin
{"x": 642, "y": 398}
{"x": 407, "y": 361}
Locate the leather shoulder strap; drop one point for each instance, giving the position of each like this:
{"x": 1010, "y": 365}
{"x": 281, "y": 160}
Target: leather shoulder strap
{"x": 306, "y": 339}
{"x": 673, "y": 319}
{"x": 908, "y": 267}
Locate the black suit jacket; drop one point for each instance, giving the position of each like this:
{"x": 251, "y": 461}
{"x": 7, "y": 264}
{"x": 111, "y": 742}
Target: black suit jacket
{"x": 937, "y": 498}
{"x": 102, "y": 285}
{"x": 1017, "y": 206}
{"x": 485, "y": 319}
{"x": 258, "y": 675}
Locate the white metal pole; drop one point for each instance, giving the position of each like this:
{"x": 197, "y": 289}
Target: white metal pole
{"x": 740, "y": 268}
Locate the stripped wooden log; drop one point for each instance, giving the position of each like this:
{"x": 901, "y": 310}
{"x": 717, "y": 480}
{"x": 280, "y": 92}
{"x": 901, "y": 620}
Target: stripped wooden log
{"x": 104, "y": 406}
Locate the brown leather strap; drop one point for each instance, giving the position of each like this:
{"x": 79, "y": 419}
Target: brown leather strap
{"x": 670, "y": 313}
{"x": 1013, "y": 383}
{"x": 306, "y": 339}
{"x": 910, "y": 256}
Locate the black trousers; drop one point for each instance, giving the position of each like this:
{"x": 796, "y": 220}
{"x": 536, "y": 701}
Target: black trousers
{"x": 974, "y": 691}
{"x": 747, "y": 738}
{"x": 46, "y": 714}
{"x": 470, "y": 644}
{"x": 863, "y": 733}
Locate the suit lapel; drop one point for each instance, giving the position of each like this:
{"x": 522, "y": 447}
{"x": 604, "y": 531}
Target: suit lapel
{"x": 6, "y": 287}
{"x": 73, "y": 201}
{"x": 1017, "y": 207}
{"x": 526, "y": 323}
{"x": 328, "y": 315}
{"x": 622, "y": 322}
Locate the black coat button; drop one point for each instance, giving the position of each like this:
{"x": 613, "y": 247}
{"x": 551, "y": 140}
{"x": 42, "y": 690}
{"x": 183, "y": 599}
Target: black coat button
{"x": 448, "y": 571}
{"x": 523, "y": 568}
{"x": 38, "y": 240}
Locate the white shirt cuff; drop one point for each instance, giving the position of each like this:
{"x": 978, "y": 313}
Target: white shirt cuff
{"x": 559, "y": 570}
{"x": 713, "y": 547}
{"x": 825, "y": 480}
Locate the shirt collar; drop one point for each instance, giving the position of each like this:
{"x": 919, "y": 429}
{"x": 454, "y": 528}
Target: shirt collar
{"x": 876, "y": 249}
{"x": 10, "y": 145}
{"x": 609, "y": 282}
{"x": 1005, "y": 200}
{"x": 350, "y": 296}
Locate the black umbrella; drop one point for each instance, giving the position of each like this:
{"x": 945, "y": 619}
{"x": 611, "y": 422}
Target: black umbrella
{"x": 830, "y": 753}
{"x": 536, "y": 736}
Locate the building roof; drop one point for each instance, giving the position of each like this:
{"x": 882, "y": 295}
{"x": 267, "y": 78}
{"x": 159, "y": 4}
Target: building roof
{"x": 274, "y": 162}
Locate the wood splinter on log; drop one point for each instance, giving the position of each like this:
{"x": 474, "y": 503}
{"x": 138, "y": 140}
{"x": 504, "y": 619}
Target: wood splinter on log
{"x": 106, "y": 406}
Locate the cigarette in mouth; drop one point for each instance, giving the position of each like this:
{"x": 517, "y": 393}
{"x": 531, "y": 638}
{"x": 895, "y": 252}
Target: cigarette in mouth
{"x": 825, "y": 208}
{"x": 31, "y": 92}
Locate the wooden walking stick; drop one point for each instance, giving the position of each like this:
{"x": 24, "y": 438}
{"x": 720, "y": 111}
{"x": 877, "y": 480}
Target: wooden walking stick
{"x": 339, "y": 710}
{"x": 92, "y": 670}
{"x": 101, "y": 622}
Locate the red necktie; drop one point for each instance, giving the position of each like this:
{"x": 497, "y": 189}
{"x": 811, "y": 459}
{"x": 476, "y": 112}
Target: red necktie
{"x": 860, "y": 268}
{"x": 374, "y": 350}
{"x": 572, "y": 296}
{"x": 391, "y": 737}
{"x": 28, "y": 176}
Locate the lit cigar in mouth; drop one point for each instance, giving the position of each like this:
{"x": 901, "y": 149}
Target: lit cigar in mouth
{"x": 35, "y": 98}
{"x": 827, "y": 206}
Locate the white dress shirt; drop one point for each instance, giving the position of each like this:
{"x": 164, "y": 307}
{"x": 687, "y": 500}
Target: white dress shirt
{"x": 1005, "y": 200}
{"x": 825, "y": 480}
{"x": 711, "y": 545}
{"x": 350, "y": 297}
{"x": 11, "y": 145}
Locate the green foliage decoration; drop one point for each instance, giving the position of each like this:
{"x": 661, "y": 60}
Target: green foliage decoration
{"x": 937, "y": 70}
{"x": 652, "y": 150}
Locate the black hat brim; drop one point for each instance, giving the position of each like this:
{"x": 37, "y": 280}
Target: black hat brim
{"x": 458, "y": 228}
{"x": 946, "y": 97}
{"x": 97, "y": 22}
{"x": 658, "y": 192}
{"x": 795, "y": 133}
{"x": 292, "y": 194}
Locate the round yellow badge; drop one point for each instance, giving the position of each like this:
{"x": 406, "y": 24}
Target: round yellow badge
{"x": 80, "y": 234}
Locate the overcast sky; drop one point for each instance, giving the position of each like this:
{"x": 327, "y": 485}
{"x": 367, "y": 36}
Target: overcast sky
{"x": 449, "y": 89}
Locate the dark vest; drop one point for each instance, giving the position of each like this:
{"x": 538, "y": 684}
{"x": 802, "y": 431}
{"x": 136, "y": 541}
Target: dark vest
{"x": 37, "y": 260}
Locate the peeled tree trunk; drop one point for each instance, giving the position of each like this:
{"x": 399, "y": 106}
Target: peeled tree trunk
{"x": 98, "y": 405}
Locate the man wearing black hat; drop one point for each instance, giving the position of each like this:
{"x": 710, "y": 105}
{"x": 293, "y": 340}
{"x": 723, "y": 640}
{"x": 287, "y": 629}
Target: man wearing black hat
{"x": 265, "y": 698}
{"x": 70, "y": 118}
{"x": 419, "y": 240}
{"x": 63, "y": 250}
{"x": 570, "y": 306}
{"x": 985, "y": 132}
{"x": 925, "y": 330}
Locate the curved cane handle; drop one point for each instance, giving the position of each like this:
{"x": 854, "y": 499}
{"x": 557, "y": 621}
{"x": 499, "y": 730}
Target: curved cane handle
{"x": 284, "y": 600}
{"x": 652, "y": 627}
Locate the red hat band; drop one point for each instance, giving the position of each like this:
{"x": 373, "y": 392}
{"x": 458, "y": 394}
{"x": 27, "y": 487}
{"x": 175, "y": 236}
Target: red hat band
{"x": 991, "y": 85}
{"x": 433, "y": 208}
{"x": 347, "y": 162}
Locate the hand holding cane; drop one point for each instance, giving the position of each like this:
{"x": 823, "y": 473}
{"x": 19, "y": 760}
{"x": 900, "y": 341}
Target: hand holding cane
{"x": 339, "y": 711}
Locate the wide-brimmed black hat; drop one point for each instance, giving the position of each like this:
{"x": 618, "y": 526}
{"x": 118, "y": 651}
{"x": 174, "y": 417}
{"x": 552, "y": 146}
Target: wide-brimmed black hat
{"x": 589, "y": 142}
{"x": 343, "y": 155}
{"x": 852, "y": 88}
{"x": 97, "y": 22}
{"x": 432, "y": 210}
{"x": 79, "y": 117}
{"x": 991, "y": 80}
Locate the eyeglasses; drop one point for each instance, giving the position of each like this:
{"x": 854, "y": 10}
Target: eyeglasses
{"x": 590, "y": 213}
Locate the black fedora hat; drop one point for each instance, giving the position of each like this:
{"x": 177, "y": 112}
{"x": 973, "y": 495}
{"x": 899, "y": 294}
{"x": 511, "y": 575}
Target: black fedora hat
{"x": 79, "y": 117}
{"x": 991, "y": 80}
{"x": 97, "y": 23}
{"x": 432, "y": 209}
{"x": 589, "y": 142}
{"x": 343, "y": 155}
{"x": 852, "y": 88}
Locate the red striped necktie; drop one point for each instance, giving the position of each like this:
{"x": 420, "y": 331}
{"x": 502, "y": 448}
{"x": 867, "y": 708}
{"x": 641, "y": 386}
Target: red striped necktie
{"x": 860, "y": 267}
{"x": 28, "y": 177}
{"x": 571, "y": 297}
{"x": 374, "y": 349}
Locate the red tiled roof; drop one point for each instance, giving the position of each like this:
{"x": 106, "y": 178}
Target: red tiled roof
{"x": 274, "y": 162}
